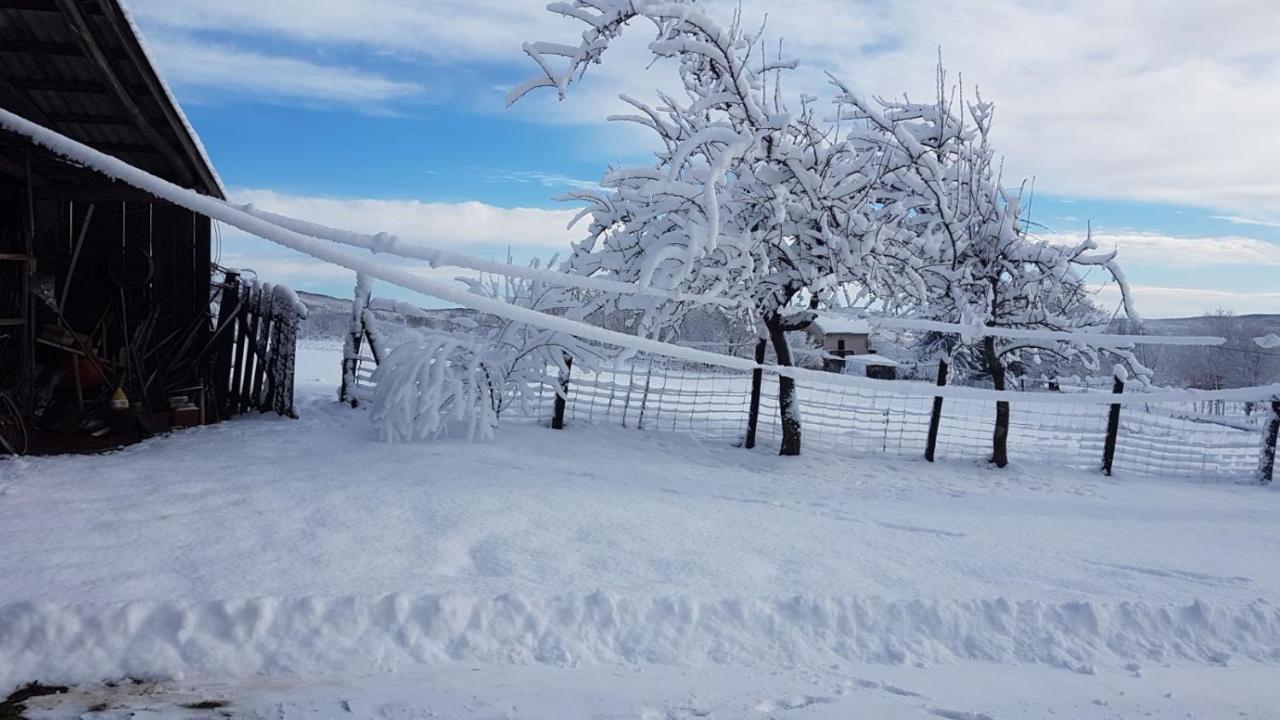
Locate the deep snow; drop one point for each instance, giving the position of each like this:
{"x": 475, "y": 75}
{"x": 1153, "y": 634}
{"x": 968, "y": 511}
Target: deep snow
{"x": 320, "y": 564}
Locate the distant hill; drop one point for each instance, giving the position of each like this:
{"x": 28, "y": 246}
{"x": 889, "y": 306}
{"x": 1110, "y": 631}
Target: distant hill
{"x": 1196, "y": 325}
{"x": 329, "y": 316}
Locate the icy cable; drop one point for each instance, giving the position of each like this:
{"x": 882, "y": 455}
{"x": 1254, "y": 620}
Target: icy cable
{"x": 385, "y": 243}
{"x": 225, "y": 212}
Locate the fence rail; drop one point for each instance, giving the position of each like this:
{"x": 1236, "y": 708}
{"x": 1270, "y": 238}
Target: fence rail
{"x": 706, "y": 402}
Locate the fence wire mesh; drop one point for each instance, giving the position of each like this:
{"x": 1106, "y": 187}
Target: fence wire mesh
{"x": 1191, "y": 439}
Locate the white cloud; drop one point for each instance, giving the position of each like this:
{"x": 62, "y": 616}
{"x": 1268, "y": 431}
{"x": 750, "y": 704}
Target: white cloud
{"x": 1162, "y": 302}
{"x": 302, "y": 272}
{"x": 1154, "y": 249}
{"x": 193, "y": 63}
{"x": 470, "y": 227}
{"x": 449, "y": 225}
{"x": 1146, "y": 100}
{"x": 447, "y": 29}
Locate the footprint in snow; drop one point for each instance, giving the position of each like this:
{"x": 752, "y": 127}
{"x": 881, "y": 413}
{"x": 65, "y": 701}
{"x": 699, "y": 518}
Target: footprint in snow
{"x": 795, "y": 702}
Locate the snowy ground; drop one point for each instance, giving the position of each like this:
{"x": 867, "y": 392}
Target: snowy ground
{"x": 300, "y": 569}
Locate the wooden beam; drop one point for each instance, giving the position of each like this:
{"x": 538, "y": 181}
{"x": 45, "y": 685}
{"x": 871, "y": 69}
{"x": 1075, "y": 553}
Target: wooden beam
{"x": 21, "y": 103}
{"x": 87, "y": 119}
{"x": 51, "y": 48}
{"x": 123, "y": 147}
{"x": 18, "y": 170}
{"x": 37, "y": 6}
{"x": 88, "y": 43}
{"x": 71, "y": 86}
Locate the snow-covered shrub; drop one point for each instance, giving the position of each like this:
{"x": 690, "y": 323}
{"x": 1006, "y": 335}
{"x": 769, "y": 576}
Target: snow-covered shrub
{"x": 458, "y": 384}
{"x": 436, "y": 385}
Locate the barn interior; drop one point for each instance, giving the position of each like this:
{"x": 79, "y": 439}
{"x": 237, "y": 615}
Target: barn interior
{"x": 105, "y": 291}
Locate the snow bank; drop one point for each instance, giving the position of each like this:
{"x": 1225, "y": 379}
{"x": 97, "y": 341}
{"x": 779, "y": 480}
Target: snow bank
{"x": 69, "y": 644}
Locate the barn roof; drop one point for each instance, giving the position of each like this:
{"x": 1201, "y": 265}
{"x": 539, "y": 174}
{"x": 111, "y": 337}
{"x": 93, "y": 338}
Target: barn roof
{"x": 79, "y": 67}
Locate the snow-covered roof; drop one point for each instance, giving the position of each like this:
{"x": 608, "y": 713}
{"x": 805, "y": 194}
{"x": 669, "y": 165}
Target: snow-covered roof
{"x": 870, "y": 359}
{"x": 828, "y": 324}
{"x": 1268, "y": 342}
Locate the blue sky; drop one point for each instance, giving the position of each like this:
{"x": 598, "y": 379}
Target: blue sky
{"x": 1148, "y": 121}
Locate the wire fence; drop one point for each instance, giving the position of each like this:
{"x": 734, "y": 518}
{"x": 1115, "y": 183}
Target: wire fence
{"x": 1164, "y": 439}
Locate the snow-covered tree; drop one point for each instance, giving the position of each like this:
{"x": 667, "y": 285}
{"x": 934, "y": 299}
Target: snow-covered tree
{"x": 753, "y": 195}
{"x": 943, "y": 193}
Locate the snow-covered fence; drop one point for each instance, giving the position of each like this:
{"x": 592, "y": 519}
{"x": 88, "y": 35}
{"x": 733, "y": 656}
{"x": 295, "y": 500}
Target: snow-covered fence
{"x": 256, "y": 334}
{"x": 711, "y": 403}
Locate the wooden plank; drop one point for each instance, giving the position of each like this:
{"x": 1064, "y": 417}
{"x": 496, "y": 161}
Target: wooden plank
{"x": 265, "y": 318}
{"x": 225, "y": 344}
{"x": 237, "y": 403}
{"x": 253, "y": 358}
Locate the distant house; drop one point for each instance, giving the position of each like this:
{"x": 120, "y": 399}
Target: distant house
{"x": 849, "y": 341}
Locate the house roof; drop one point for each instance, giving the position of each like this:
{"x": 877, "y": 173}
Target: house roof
{"x": 870, "y": 359}
{"x": 831, "y": 324}
{"x": 80, "y": 68}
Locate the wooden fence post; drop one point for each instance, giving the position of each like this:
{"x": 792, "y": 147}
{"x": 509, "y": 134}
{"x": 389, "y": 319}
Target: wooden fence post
{"x": 757, "y": 380}
{"x": 644, "y": 400}
{"x": 226, "y": 344}
{"x": 1267, "y": 467}
{"x": 935, "y": 418}
{"x": 1113, "y": 425}
{"x": 557, "y": 420}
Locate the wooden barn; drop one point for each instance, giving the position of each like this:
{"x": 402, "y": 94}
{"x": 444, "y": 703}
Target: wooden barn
{"x": 106, "y": 293}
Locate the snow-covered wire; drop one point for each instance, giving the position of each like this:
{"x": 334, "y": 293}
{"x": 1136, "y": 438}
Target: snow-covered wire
{"x": 322, "y": 250}
{"x": 1091, "y": 338}
{"x": 385, "y": 243}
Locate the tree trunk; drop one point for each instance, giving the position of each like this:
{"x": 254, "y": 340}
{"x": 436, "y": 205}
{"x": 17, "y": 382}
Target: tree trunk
{"x": 999, "y": 439}
{"x": 788, "y": 403}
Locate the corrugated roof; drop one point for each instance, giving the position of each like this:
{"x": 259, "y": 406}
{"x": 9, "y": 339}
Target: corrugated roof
{"x": 78, "y": 67}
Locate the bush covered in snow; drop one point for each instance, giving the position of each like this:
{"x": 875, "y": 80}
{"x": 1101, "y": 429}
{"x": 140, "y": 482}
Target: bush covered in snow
{"x": 436, "y": 385}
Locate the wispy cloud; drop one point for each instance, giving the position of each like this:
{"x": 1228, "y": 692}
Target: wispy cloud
{"x": 545, "y": 179}
{"x": 471, "y": 227}
{"x": 1163, "y": 302}
{"x": 1156, "y": 249}
{"x": 1236, "y": 220}
{"x": 193, "y": 63}
{"x": 449, "y": 225}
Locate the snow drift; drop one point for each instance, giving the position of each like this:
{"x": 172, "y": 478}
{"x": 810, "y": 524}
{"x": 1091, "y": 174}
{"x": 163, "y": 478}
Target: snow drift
{"x": 228, "y": 639}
